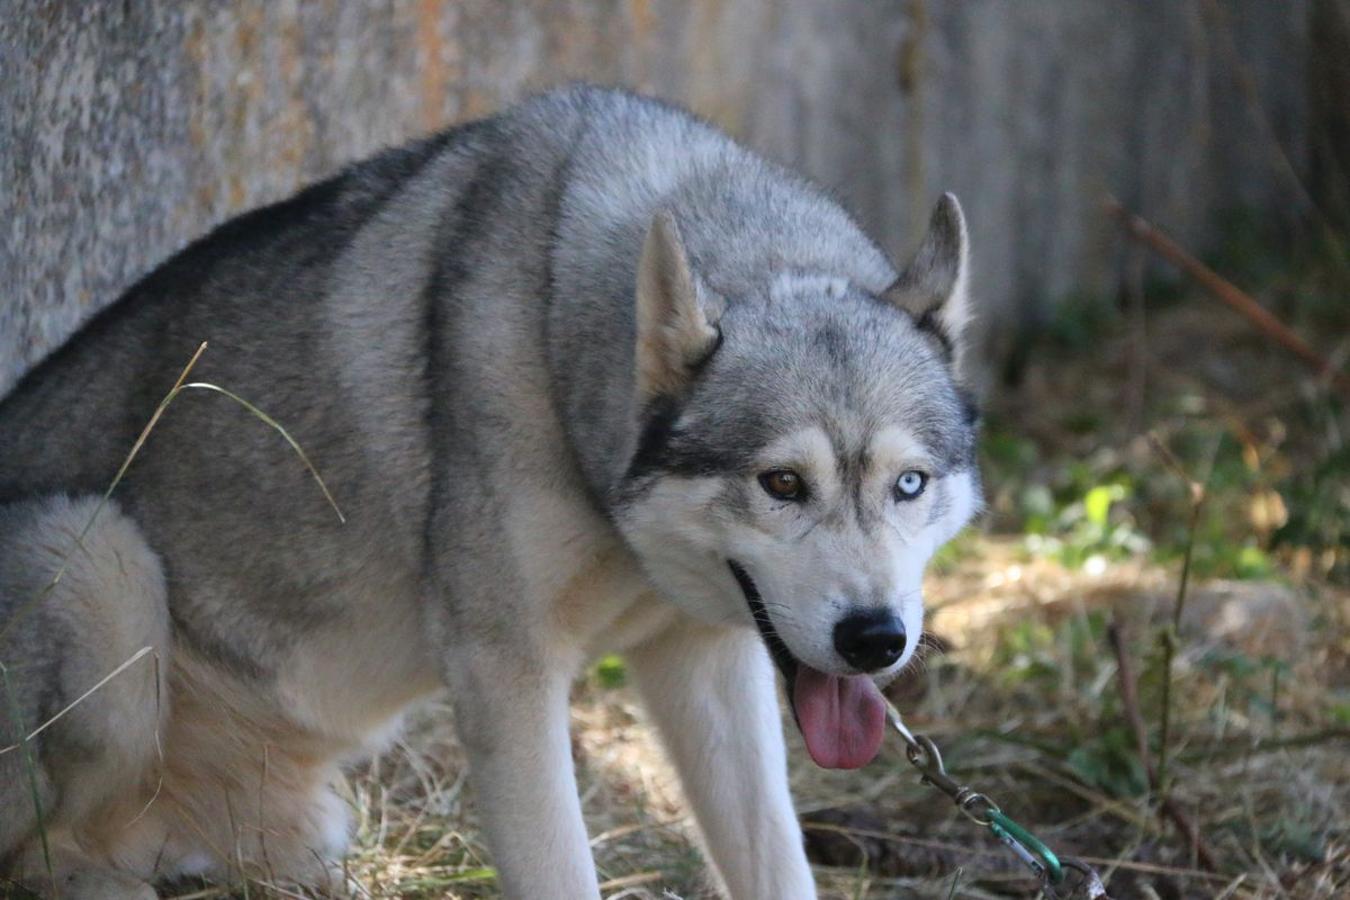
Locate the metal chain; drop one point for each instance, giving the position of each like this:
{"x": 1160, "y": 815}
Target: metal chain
{"x": 1050, "y": 869}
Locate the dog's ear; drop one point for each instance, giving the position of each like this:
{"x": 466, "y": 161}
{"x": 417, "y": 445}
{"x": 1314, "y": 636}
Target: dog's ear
{"x": 676, "y": 313}
{"x": 933, "y": 287}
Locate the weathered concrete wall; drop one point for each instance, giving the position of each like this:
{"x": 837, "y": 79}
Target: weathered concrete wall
{"x": 127, "y": 128}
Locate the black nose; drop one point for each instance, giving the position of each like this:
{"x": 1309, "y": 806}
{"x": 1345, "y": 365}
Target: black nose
{"x": 869, "y": 641}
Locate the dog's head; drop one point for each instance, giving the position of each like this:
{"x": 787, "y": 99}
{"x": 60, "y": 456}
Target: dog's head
{"x": 802, "y": 454}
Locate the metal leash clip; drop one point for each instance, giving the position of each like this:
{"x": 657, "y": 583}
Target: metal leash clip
{"x": 1089, "y": 882}
{"x": 923, "y": 754}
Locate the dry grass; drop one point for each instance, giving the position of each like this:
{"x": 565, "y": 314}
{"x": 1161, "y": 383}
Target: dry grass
{"x": 1262, "y": 799}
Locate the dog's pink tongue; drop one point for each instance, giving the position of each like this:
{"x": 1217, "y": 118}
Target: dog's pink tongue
{"x": 842, "y": 717}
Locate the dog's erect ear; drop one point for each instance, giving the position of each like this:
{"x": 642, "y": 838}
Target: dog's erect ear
{"x": 676, "y": 314}
{"x": 932, "y": 287}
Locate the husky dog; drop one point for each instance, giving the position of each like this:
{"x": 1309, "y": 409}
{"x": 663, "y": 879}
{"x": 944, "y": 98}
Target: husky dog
{"x": 586, "y": 376}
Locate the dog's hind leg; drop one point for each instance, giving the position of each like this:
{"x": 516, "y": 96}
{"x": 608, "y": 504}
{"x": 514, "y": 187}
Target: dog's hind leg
{"x": 711, "y": 692}
{"x": 58, "y": 642}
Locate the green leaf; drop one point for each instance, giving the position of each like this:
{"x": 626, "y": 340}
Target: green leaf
{"x": 1097, "y": 503}
{"x": 483, "y": 873}
{"x": 611, "y": 672}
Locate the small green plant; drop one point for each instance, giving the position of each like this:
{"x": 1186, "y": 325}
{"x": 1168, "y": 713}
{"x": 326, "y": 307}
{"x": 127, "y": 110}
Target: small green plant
{"x": 611, "y": 672}
{"x": 1109, "y": 761}
{"x": 1084, "y": 531}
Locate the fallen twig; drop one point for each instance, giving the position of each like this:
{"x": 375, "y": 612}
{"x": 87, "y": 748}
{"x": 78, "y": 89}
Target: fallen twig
{"x": 1223, "y": 749}
{"x": 1225, "y": 291}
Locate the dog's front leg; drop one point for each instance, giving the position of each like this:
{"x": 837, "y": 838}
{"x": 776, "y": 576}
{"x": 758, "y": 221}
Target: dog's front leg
{"x": 711, "y": 692}
{"x": 511, "y": 713}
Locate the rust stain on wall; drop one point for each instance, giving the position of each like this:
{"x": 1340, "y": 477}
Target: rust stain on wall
{"x": 644, "y": 22}
{"x": 295, "y": 129}
{"x": 476, "y": 103}
{"x": 712, "y": 94}
{"x": 243, "y": 97}
{"x": 237, "y": 193}
{"x": 194, "y": 48}
{"x": 577, "y": 45}
{"x": 434, "y": 76}
{"x": 642, "y": 26}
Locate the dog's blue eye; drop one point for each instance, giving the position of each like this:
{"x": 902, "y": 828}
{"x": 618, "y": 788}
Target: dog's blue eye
{"x": 910, "y": 484}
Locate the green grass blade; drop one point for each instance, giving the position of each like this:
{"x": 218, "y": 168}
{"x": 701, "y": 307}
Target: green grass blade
{"x": 30, "y": 767}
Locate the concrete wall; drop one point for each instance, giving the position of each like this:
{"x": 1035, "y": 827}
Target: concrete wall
{"x": 129, "y": 127}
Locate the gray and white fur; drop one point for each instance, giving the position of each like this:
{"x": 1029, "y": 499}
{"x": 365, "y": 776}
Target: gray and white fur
{"x": 545, "y": 362}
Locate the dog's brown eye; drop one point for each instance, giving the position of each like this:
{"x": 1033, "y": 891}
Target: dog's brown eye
{"x": 784, "y": 484}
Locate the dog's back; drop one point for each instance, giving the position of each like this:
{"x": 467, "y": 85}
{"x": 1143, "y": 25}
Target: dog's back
{"x": 300, "y": 299}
